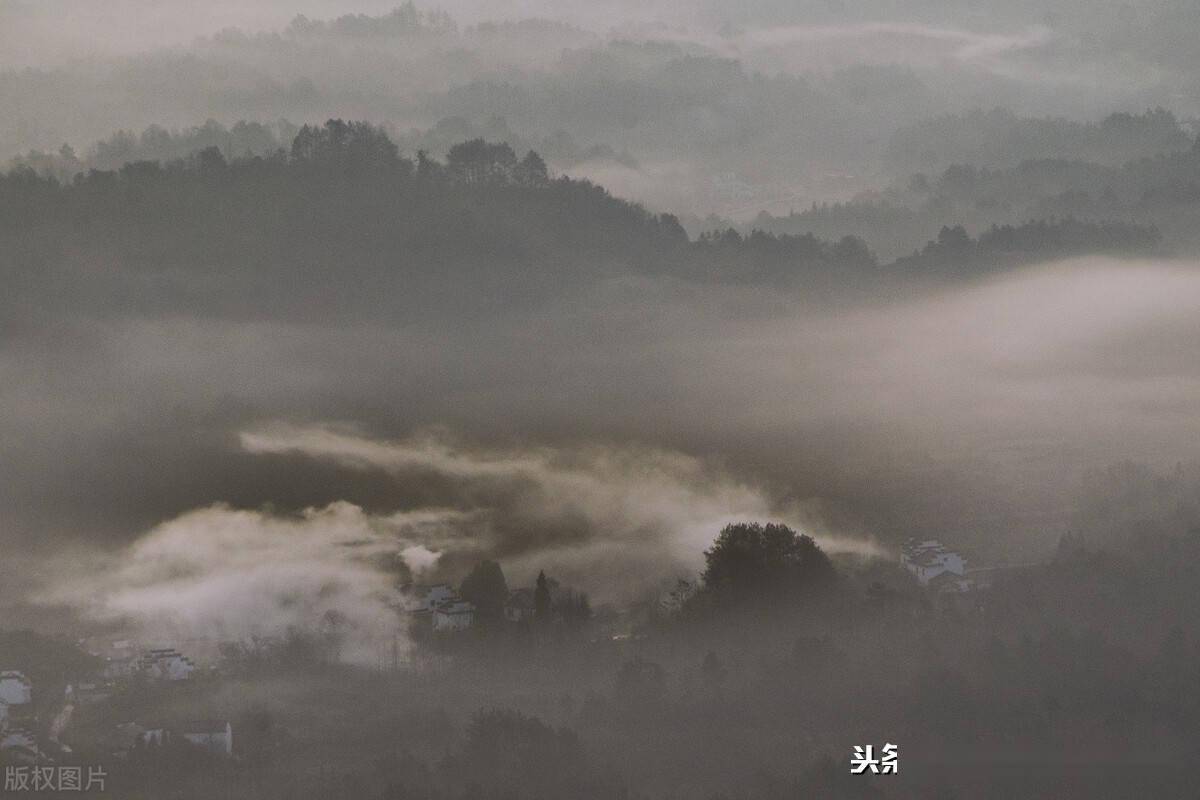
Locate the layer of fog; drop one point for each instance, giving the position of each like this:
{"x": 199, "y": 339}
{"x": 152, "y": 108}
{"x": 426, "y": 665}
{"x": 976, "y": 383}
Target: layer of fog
{"x": 221, "y": 574}
{"x": 720, "y": 141}
{"x": 616, "y": 429}
{"x": 616, "y": 522}
{"x": 47, "y": 32}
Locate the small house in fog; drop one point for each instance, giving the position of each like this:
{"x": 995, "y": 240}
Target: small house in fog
{"x": 215, "y": 736}
{"x": 425, "y": 598}
{"x": 212, "y": 736}
{"x": 15, "y": 688}
{"x": 20, "y": 745}
{"x": 929, "y": 558}
{"x": 166, "y": 664}
{"x": 441, "y": 605}
{"x": 453, "y": 615}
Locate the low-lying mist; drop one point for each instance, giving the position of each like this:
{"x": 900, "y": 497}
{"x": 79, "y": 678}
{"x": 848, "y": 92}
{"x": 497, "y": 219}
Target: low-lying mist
{"x": 684, "y": 106}
{"x": 616, "y": 522}
{"x": 606, "y": 436}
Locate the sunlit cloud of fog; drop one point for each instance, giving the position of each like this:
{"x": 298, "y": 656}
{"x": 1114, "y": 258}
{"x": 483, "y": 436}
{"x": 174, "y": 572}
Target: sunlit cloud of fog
{"x": 613, "y": 518}
{"x": 617, "y": 522}
{"x": 224, "y": 574}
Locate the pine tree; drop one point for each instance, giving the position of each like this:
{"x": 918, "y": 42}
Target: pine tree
{"x": 541, "y": 598}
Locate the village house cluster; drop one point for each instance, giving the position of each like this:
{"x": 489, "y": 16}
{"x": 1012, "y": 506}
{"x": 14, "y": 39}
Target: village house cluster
{"x": 211, "y": 735}
{"x": 16, "y": 714}
{"x": 439, "y": 608}
{"x": 30, "y": 735}
{"x": 440, "y": 605}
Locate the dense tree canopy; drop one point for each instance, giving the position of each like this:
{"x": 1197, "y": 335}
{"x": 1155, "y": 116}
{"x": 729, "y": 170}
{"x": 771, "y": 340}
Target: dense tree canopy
{"x": 352, "y": 148}
{"x": 342, "y": 224}
{"x": 486, "y": 587}
{"x": 751, "y": 561}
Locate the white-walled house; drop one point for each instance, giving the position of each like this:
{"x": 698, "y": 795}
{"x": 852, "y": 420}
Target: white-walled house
{"x": 453, "y": 615}
{"x": 20, "y": 745}
{"x": 421, "y": 597}
{"x": 166, "y": 664}
{"x": 441, "y": 605}
{"x": 929, "y": 558}
{"x": 214, "y": 736}
{"x": 15, "y": 688}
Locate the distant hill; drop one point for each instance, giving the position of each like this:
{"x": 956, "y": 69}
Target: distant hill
{"x": 341, "y": 224}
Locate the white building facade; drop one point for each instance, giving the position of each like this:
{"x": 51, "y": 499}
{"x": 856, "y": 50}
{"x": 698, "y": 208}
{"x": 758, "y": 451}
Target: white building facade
{"x": 426, "y": 598}
{"x": 215, "y": 737}
{"x": 929, "y": 558}
{"x": 15, "y": 688}
{"x": 453, "y": 615}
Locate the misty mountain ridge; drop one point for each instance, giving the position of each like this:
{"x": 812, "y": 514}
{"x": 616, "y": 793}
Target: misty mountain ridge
{"x": 662, "y": 112}
{"x": 344, "y": 216}
{"x": 621, "y": 400}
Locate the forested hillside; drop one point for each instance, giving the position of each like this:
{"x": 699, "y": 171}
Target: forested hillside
{"x": 343, "y": 224}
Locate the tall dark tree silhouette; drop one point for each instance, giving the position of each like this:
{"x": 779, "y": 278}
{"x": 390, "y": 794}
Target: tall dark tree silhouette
{"x": 486, "y": 587}
{"x": 541, "y": 598}
{"x": 477, "y": 161}
{"x": 354, "y": 149}
{"x": 532, "y": 170}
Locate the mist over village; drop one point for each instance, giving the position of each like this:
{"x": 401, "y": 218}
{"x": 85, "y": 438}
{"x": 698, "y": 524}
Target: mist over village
{"x": 616, "y": 401}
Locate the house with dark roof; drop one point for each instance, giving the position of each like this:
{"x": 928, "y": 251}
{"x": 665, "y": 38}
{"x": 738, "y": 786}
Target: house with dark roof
{"x": 926, "y": 559}
{"x": 166, "y": 664}
{"x": 423, "y": 598}
{"x": 453, "y": 615}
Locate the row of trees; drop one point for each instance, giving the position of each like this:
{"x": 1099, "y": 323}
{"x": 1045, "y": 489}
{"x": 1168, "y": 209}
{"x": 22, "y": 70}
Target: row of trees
{"x": 749, "y": 565}
{"x": 487, "y": 589}
{"x": 955, "y": 250}
{"x": 344, "y": 216}
{"x": 357, "y": 149}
